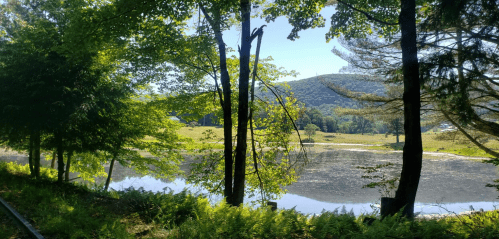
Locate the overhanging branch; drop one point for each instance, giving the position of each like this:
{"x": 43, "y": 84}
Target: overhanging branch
{"x": 368, "y": 15}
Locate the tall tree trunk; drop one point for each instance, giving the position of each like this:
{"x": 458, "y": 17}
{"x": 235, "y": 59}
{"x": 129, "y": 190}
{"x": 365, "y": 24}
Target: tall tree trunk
{"x": 253, "y": 142}
{"x": 36, "y": 154}
{"x": 227, "y": 110}
{"x": 110, "y": 173}
{"x": 30, "y": 155}
{"x": 54, "y": 154}
{"x": 68, "y": 165}
{"x": 242, "y": 121}
{"x": 60, "y": 158}
{"x": 226, "y": 103}
{"x": 400, "y": 129}
{"x": 464, "y": 107}
{"x": 413, "y": 149}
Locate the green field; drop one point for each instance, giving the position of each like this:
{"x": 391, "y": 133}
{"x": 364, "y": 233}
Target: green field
{"x": 431, "y": 142}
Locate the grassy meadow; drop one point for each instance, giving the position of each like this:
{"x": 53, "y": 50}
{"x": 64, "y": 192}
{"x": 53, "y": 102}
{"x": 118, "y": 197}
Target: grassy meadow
{"x": 432, "y": 141}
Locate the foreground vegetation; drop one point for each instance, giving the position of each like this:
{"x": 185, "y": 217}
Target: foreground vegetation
{"x": 73, "y": 211}
{"x": 448, "y": 142}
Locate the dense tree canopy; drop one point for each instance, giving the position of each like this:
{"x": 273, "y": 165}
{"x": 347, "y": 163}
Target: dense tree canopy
{"x": 62, "y": 80}
{"x": 75, "y": 77}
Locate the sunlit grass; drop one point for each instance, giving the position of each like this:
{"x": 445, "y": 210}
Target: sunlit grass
{"x": 458, "y": 146}
{"x": 322, "y": 137}
{"x": 196, "y": 133}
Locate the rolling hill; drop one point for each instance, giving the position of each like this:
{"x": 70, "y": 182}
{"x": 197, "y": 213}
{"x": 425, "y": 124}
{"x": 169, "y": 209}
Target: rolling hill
{"x": 313, "y": 93}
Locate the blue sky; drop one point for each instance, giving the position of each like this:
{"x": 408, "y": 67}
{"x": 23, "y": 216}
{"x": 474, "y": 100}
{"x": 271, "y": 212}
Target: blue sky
{"x": 309, "y": 55}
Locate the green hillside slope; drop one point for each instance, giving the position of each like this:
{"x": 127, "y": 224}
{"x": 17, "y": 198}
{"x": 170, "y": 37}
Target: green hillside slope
{"x": 313, "y": 93}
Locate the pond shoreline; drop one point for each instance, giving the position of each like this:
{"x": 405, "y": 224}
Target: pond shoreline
{"x": 332, "y": 176}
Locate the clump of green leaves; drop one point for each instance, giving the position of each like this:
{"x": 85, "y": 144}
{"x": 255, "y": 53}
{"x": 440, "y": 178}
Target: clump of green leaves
{"x": 20, "y": 169}
{"x": 475, "y": 225}
{"x": 167, "y": 209}
{"x": 310, "y": 129}
{"x": 224, "y": 221}
{"x": 333, "y": 224}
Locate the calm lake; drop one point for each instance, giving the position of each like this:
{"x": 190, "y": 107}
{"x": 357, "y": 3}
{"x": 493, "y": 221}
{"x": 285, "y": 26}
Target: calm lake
{"x": 332, "y": 180}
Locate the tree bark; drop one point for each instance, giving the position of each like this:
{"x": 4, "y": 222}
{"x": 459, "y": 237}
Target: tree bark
{"x": 397, "y": 130}
{"x": 60, "y": 158}
{"x": 54, "y": 154}
{"x": 36, "y": 155}
{"x": 242, "y": 121}
{"x": 30, "y": 156}
{"x": 110, "y": 173}
{"x": 68, "y": 165}
{"x": 253, "y": 143}
{"x": 226, "y": 103}
{"x": 413, "y": 149}
{"x": 227, "y": 110}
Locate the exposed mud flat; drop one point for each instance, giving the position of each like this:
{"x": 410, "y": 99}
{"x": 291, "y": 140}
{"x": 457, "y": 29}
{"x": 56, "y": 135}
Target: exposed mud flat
{"x": 333, "y": 176}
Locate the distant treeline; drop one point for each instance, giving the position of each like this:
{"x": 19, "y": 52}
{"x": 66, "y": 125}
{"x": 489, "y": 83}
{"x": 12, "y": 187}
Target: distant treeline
{"x": 320, "y": 102}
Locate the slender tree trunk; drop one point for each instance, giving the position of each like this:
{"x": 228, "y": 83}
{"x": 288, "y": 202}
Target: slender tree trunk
{"x": 36, "y": 155}
{"x": 253, "y": 145}
{"x": 242, "y": 121}
{"x": 413, "y": 150}
{"x": 30, "y": 155}
{"x": 60, "y": 158}
{"x": 54, "y": 154}
{"x": 110, "y": 173}
{"x": 68, "y": 165}
{"x": 226, "y": 103}
{"x": 227, "y": 110}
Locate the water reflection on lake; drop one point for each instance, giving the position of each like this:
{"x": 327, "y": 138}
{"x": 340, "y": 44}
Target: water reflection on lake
{"x": 300, "y": 203}
{"x": 332, "y": 180}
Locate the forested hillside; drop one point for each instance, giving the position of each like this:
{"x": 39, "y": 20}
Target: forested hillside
{"x": 313, "y": 93}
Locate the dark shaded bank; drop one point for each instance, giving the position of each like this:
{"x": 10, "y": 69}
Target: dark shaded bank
{"x": 9, "y": 229}
{"x": 21, "y": 222}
